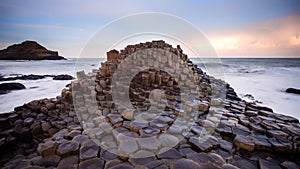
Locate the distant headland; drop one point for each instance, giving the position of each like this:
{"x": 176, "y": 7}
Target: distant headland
{"x": 29, "y": 50}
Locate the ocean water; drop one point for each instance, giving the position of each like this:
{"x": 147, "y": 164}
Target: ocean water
{"x": 265, "y": 79}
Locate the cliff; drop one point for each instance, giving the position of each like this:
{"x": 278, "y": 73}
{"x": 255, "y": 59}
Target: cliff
{"x": 28, "y": 50}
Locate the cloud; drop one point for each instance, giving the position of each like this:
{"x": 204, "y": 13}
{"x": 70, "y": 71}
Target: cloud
{"x": 277, "y": 37}
{"x": 31, "y": 26}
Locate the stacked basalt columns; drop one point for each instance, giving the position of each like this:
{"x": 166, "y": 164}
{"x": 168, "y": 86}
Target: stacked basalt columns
{"x": 146, "y": 81}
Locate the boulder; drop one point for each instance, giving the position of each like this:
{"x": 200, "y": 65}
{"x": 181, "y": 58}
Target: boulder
{"x": 292, "y": 90}
{"x": 6, "y": 87}
{"x": 63, "y": 77}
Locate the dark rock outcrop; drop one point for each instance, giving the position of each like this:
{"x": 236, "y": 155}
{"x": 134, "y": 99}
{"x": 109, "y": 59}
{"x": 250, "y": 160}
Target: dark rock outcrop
{"x": 37, "y": 77}
{"x": 63, "y": 77}
{"x": 292, "y": 90}
{"x": 6, "y": 87}
{"x": 28, "y": 50}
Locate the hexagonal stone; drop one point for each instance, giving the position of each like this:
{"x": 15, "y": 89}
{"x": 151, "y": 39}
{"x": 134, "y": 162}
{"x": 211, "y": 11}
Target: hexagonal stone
{"x": 229, "y": 166}
{"x": 149, "y": 143}
{"x": 47, "y": 148}
{"x": 278, "y": 134}
{"x": 127, "y": 147}
{"x": 167, "y": 153}
{"x": 142, "y": 157}
{"x": 270, "y": 125}
{"x": 122, "y": 166}
{"x": 168, "y": 140}
{"x": 216, "y": 159}
{"x": 280, "y": 145}
{"x": 257, "y": 128}
{"x": 226, "y": 145}
{"x": 289, "y": 165}
{"x": 70, "y": 162}
{"x": 67, "y": 148}
{"x": 202, "y": 145}
{"x": 149, "y": 131}
{"x": 89, "y": 149}
{"x": 264, "y": 164}
{"x": 200, "y": 158}
{"x": 184, "y": 163}
{"x": 244, "y": 163}
{"x": 91, "y": 163}
{"x": 48, "y": 161}
{"x": 244, "y": 142}
{"x": 109, "y": 154}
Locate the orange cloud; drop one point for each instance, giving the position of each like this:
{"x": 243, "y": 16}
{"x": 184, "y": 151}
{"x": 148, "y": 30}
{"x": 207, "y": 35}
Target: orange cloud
{"x": 273, "y": 38}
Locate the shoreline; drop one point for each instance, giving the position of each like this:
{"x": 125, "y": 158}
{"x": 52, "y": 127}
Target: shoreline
{"x": 47, "y": 132}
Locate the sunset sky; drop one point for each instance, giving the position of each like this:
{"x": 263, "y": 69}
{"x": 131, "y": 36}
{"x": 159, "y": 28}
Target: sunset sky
{"x": 254, "y": 28}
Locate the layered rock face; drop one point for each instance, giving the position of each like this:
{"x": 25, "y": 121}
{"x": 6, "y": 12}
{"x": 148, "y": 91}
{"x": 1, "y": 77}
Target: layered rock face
{"x": 28, "y": 50}
{"x": 86, "y": 127}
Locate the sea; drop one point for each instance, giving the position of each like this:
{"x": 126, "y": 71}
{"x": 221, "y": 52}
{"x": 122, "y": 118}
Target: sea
{"x": 263, "y": 80}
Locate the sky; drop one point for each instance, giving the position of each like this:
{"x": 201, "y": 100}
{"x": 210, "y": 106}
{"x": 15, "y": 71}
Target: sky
{"x": 235, "y": 28}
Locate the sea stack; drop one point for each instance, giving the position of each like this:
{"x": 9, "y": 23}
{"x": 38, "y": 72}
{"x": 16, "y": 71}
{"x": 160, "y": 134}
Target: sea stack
{"x": 28, "y": 50}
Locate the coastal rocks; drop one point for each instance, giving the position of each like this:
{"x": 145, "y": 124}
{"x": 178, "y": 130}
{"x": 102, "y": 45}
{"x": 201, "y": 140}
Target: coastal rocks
{"x": 28, "y": 50}
{"x": 244, "y": 142}
{"x": 84, "y": 128}
{"x": 184, "y": 163}
{"x": 36, "y": 77}
{"x": 6, "y": 87}
{"x": 91, "y": 163}
{"x": 63, "y": 77}
{"x": 67, "y": 148}
{"x": 292, "y": 90}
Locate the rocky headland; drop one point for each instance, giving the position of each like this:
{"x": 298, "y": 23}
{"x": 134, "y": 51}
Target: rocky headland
{"x": 82, "y": 127}
{"x": 29, "y": 50}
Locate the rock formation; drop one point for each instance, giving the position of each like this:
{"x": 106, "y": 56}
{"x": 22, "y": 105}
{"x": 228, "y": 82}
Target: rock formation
{"x": 28, "y": 50}
{"x": 6, "y": 87}
{"x": 82, "y": 127}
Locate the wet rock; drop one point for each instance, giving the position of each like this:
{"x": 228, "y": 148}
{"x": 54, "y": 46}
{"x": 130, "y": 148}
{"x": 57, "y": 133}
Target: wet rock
{"x": 168, "y": 140}
{"x": 264, "y": 164}
{"x": 5, "y": 87}
{"x": 70, "y": 162}
{"x": 142, "y": 157}
{"x": 292, "y": 90}
{"x": 63, "y": 77}
{"x": 226, "y": 145}
{"x": 262, "y": 144}
{"x": 89, "y": 149}
{"x": 108, "y": 154}
{"x": 127, "y": 147}
{"x": 149, "y": 143}
{"x": 200, "y": 144}
{"x": 184, "y": 163}
{"x": 111, "y": 163}
{"x": 67, "y": 148}
{"x": 122, "y": 166}
{"x": 278, "y": 134}
{"x": 47, "y": 148}
{"x": 244, "y": 142}
{"x": 200, "y": 158}
{"x": 289, "y": 165}
{"x": 244, "y": 163}
{"x": 229, "y": 166}
{"x": 49, "y": 161}
{"x": 91, "y": 164}
{"x": 169, "y": 153}
{"x": 269, "y": 125}
{"x": 216, "y": 159}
